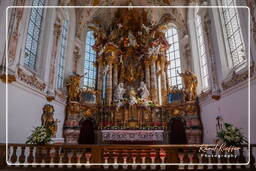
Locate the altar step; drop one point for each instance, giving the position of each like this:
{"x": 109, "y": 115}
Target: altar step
{"x": 124, "y": 157}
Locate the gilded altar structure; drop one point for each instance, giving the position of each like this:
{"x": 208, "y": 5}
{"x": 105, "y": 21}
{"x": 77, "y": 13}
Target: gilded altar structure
{"x": 132, "y": 92}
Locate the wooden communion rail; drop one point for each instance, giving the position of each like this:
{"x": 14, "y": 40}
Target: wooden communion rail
{"x": 125, "y": 156}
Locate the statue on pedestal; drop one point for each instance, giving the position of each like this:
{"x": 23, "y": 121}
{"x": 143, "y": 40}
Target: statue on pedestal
{"x": 119, "y": 95}
{"x": 73, "y": 86}
{"x": 48, "y": 120}
{"x": 190, "y": 81}
{"x": 132, "y": 97}
{"x": 144, "y": 93}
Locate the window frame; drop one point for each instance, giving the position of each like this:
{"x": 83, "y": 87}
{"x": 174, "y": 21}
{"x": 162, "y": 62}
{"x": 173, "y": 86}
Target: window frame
{"x": 36, "y": 64}
{"x": 177, "y": 56}
{"x": 202, "y": 43}
{"x": 229, "y": 57}
{"x": 62, "y": 55}
{"x": 89, "y": 69}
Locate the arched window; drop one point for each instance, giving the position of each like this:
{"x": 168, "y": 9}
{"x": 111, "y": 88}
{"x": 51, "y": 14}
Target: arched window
{"x": 233, "y": 33}
{"x": 173, "y": 56}
{"x": 90, "y": 58}
{"x": 63, "y": 47}
{"x": 33, "y": 34}
{"x": 201, "y": 46}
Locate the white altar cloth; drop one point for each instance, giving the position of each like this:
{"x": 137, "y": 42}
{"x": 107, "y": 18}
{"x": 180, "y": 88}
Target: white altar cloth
{"x": 132, "y": 135}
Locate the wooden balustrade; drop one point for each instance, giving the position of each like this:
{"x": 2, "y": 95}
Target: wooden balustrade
{"x": 124, "y": 156}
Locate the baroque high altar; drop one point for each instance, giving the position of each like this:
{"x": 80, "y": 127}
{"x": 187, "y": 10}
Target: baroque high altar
{"x": 131, "y": 101}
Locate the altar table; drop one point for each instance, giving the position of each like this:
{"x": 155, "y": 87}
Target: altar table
{"x": 132, "y": 136}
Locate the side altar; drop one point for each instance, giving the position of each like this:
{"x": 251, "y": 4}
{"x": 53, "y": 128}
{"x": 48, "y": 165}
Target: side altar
{"x": 132, "y": 89}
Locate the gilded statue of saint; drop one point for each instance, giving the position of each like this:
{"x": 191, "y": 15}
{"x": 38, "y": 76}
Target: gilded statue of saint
{"x": 48, "y": 120}
{"x": 190, "y": 81}
{"x": 73, "y": 86}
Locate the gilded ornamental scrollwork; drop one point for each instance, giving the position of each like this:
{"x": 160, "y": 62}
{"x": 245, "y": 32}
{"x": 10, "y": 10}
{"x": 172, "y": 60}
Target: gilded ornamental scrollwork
{"x": 238, "y": 78}
{"x": 31, "y": 79}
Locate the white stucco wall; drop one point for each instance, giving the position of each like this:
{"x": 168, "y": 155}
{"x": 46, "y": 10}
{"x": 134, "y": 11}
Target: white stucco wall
{"x": 24, "y": 112}
{"x": 233, "y": 107}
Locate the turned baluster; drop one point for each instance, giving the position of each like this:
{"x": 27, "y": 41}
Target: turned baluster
{"x": 22, "y": 157}
{"x": 153, "y": 158}
{"x": 61, "y": 156}
{"x": 78, "y": 159}
{"x": 38, "y": 155}
{"x": 181, "y": 159}
{"x": 10, "y": 153}
{"x": 124, "y": 156}
{"x": 218, "y": 155}
{"x": 200, "y": 161}
{"x": 115, "y": 156}
{"x": 70, "y": 154}
{"x": 143, "y": 155}
{"x": 88, "y": 156}
{"x": 209, "y": 156}
{"x": 134, "y": 156}
{"x": 30, "y": 158}
{"x": 190, "y": 157}
{"x": 44, "y": 152}
{"x": 228, "y": 160}
{"x": 106, "y": 157}
{"x": 162, "y": 154}
{"x": 52, "y": 156}
{"x": 14, "y": 155}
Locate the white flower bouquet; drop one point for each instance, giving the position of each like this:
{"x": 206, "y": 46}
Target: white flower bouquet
{"x": 41, "y": 135}
{"x": 231, "y": 135}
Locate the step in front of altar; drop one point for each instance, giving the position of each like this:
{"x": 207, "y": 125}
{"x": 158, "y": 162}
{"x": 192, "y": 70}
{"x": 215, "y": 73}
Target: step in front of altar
{"x": 132, "y": 136}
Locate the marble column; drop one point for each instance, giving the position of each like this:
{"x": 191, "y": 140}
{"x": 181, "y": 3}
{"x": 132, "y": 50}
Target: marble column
{"x": 153, "y": 86}
{"x": 159, "y": 83}
{"x": 99, "y": 80}
{"x": 147, "y": 74}
{"x": 109, "y": 84}
{"x": 163, "y": 81}
{"x": 115, "y": 75}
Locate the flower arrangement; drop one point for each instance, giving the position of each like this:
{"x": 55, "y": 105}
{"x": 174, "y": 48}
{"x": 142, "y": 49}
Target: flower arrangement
{"x": 231, "y": 135}
{"x": 41, "y": 135}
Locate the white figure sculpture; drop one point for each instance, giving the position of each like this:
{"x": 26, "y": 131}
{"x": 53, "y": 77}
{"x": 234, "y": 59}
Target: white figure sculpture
{"x": 147, "y": 29}
{"x": 144, "y": 93}
{"x": 119, "y": 95}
